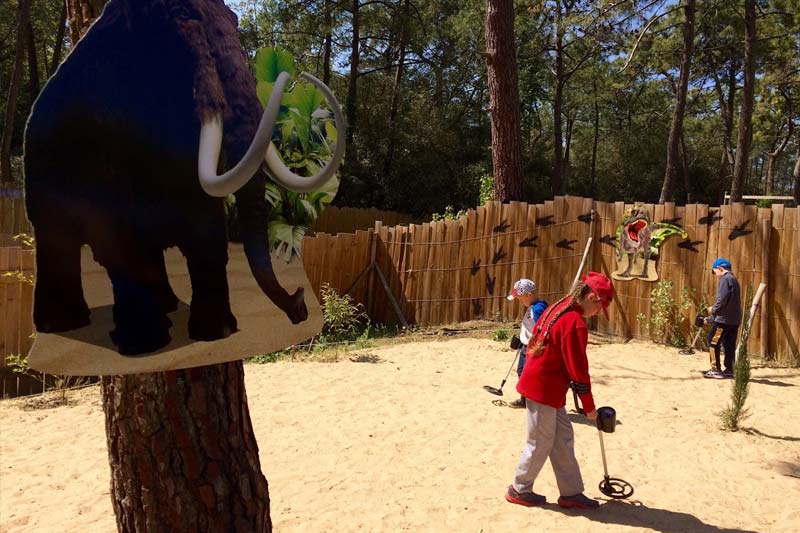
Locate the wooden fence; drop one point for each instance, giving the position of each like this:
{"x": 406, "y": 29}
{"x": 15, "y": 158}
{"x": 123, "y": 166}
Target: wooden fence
{"x": 13, "y": 219}
{"x": 16, "y": 308}
{"x": 458, "y": 270}
{"x": 349, "y": 219}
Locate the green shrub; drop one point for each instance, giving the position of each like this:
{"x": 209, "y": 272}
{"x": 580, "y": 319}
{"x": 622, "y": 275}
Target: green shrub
{"x": 500, "y": 335}
{"x": 667, "y": 315}
{"x": 736, "y": 412}
{"x": 342, "y": 319}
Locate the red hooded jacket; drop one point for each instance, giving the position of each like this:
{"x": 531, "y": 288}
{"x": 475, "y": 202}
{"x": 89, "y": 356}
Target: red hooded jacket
{"x": 546, "y": 377}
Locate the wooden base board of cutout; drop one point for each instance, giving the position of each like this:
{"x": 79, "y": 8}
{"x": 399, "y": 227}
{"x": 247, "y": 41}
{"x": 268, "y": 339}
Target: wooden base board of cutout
{"x": 263, "y": 328}
{"x": 636, "y": 271}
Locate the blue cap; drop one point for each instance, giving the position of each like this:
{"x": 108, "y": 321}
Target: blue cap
{"x": 721, "y": 262}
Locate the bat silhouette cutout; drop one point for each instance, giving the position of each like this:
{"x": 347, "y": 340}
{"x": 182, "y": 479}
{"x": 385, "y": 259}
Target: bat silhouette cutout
{"x": 490, "y": 283}
{"x": 502, "y": 227}
{"x": 740, "y": 230}
{"x": 498, "y": 255}
{"x": 545, "y": 221}
{"x": 565, "y": 244}
{"x": 476, "y": 265}
{"x": 587, "y": 218}
{"x": 528, "y": 243}
{"x": 610, "y": 240}
{"x": 476, "y": 307}
{"x": 689, "y": 244}
{"x": 711, "y": 218}
{"x": 673, "y": 221}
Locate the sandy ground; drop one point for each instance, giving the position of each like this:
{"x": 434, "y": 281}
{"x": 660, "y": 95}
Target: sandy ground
{"x": 413, "y": 442}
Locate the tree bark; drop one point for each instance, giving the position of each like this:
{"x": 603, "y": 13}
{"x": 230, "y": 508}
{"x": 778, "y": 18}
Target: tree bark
{"x": 558, "y": 141}
{"x": 328, "y": 46}
{"x": 23, "y": 16}
{"x": 81, "y": 14}
{"x": 183, "y": 453}
{"x": 33, "y": 60}
{"x": 501, "y": 60}
{"x": 58, "y": 47}
{"x": 676, "y": 128}
{"x": 595, "y": 138}
{"x": 685, "y": 166}
{"x": 748, "y": 94}
{"x": 352, "y": 86}
{"x": 181, "y": 447}
{"x": 796, "y": 175}
{"x": 396, "y": 87}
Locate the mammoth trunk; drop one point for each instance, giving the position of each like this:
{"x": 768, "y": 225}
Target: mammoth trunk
{"x": 252, "y": 211}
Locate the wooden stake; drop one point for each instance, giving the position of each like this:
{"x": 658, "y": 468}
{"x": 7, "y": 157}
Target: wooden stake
{"x": 583, "y": 263}
{"x": 766, "y": 231}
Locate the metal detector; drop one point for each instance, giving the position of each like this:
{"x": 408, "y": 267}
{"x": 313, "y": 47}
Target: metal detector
{"x": 612, "y": 487}
{"x": 499, "y": 390}
{"x": 699, "y": 322}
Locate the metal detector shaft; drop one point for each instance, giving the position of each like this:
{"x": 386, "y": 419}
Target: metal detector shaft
{"x": 509, "y": 370}
{"x": 603, "y": 453}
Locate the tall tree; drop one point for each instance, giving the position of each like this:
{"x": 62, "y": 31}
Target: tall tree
{"x": 181, "y": 446}
{"x": 22, "y": 24}
{"x": 501, "y": 61}
{"x": 748, "y": 97}
{"x": 676, "y": 129}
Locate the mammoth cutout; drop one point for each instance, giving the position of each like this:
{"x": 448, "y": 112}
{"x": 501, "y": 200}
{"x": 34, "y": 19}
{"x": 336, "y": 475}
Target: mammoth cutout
{"x": 638, "y": 241}
{"x": 134, "y": 271}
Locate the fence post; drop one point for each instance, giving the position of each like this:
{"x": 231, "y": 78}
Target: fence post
{"x": 766, "y": 231}
{"x": 373, "y": 250}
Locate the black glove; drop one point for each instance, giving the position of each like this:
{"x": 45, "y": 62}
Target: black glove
{"x": 516, "y": 344}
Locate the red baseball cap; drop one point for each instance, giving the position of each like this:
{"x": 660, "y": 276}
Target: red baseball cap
{"x": 602, "y": 287}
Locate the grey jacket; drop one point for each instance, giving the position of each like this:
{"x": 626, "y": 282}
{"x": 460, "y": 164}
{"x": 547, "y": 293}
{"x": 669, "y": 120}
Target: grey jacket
{"x": 727, "y": 308}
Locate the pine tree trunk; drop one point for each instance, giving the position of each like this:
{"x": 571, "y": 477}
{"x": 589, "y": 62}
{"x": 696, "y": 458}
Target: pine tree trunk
{"x": 59, "y": 44}
{"x": 396, "y": 87}
{"x": 748, "y": 92}
{"x": 182, "y": 452}
{"x": 33, "y": 60}
{"x": 81, "y": 14}
{"x": 501, "y": 62}
{"x": 676, "y": 128}
{"x": 328, "y": 46}
{"x": 558, "y": 140}
{"x": 796, "y": 175}
{"x": 352, "y": 87}
{"x": 23, "y": 15}
{"x": 181, "y": 447}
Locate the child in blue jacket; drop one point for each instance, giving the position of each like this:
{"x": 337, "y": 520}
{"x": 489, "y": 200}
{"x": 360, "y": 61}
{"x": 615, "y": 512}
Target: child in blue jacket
{"x": 525, "y": 291}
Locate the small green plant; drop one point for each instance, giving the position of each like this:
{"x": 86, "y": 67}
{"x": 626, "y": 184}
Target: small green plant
{"x": 500, "y": 335}
{"x": 449, "y": 214}
{"x": 273, "y": 357}
{"x": 487, "y": 189}
{"x": 736, "y": 412}
{"x": 667, "y": 315}
{"x": 342, "y": 319}
{"x": 61, "y": 384}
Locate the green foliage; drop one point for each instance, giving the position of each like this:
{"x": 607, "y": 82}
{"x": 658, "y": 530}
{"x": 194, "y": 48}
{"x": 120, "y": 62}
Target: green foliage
{"x": 449, "y": 214}
{"x": 304, "y": 136}
{"x": 733, "y": 414}
{"x": 61, "y": 384}
{"x": 273, "y": 357}
{"x": 342, "y": 319}
{"x": 487, "y": 189}
{"x": 666, "y": 314}
{"x": 500, "y": 335}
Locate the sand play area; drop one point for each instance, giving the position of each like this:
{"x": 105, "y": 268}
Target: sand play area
{"x": 407, "y": 439}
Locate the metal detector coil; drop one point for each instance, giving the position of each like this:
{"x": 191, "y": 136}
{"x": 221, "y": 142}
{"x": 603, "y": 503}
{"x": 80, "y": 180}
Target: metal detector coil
{"x": 612, "y": 487}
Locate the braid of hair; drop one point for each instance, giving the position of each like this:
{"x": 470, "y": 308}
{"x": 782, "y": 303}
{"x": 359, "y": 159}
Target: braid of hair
{"x": 553, "y": 313}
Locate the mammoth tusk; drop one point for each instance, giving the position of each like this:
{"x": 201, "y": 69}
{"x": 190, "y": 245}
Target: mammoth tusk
{"x": 296, "y": 183}
{"x": 211, "y": 143}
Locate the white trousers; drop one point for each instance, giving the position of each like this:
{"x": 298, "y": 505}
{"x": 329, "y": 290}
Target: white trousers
{"x": 549, "y": 435}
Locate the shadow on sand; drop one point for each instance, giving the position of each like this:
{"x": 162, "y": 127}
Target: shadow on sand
{"x": 635, "y": 514}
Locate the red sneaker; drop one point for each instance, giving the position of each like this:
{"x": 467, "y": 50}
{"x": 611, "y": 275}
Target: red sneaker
{"x": 528, "y": 499}
{"x": 578, "y": 501}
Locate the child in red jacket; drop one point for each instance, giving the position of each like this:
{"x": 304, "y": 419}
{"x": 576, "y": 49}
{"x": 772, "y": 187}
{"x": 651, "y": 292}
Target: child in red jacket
{"x": 557, "y": 361}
